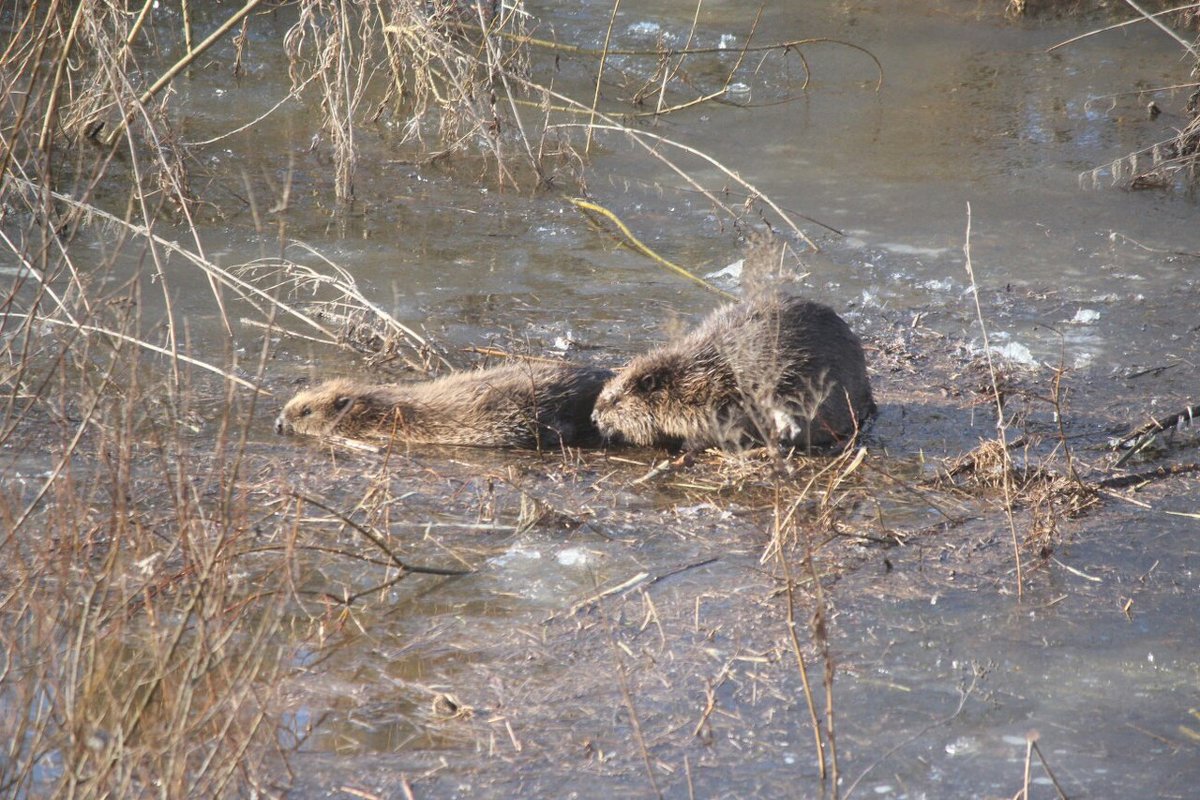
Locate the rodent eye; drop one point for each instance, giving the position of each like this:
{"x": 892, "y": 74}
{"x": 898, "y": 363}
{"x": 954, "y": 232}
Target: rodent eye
{"x": 304, "y": 411}
{"x": 648, "y": 383}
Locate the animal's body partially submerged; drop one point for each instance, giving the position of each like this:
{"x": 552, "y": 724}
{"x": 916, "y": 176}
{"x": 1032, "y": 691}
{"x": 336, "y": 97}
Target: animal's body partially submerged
{"x": 771, "y": 369}
{"x": 519, "y": 405}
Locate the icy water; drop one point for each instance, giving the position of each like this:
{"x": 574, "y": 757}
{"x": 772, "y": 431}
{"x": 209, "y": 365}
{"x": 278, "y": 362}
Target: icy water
{"x": 620, "y": 637}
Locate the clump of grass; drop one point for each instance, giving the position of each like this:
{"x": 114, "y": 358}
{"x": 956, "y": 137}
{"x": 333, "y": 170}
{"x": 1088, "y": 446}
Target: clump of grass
{"x": 141, "y": 652}
{"x": 454, "y": 79}
{"x": 1163, "y": 164}
{"x": 330, "y": 303}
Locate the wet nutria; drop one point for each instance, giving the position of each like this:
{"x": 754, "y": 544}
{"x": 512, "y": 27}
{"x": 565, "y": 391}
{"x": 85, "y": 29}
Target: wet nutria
{"x": 519, "y": 405}
{"x": 771, "y": 368}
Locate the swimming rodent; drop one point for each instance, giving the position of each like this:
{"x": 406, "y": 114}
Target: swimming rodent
{"x": 773, "y": 368}
{"x": 530, "y": 406}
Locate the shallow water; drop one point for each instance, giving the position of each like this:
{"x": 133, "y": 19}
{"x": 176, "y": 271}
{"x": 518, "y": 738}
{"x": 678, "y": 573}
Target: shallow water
{"x": 612, "y": 595}
{"x": 972, "y": 113}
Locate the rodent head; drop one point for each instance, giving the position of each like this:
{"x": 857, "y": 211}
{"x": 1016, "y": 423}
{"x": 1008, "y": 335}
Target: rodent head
{"x": 644, "y": 404}
{"x": 337, "y": 406}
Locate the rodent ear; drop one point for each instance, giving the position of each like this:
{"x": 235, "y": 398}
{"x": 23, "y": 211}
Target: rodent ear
{"x": 342, "y": 402}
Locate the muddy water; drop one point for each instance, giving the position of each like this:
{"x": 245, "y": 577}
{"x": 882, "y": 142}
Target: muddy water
{"x": 604, "y": 616}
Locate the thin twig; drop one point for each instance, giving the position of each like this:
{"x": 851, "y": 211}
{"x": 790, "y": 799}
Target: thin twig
{"x": 246, "y": 290}
{"x": 1118, "y": 25}
{"x": 1152, "y": 18}
{"x": 789, "y": 586}
{"x": 634, "y": 722}
{"x": 1001, "y": 422}
{"x": 612, "y": 19}
{"x": 377, "y": 540}
{"x": 964, "y": 693}
{"x": 124, "y": 337}
{"x": 1187, "y": 416}
{"x": 620, "y": 587}
{"x": 639, "y": 135}
{"x": 183, "y": 64}
{"x": 1156, "y": 474}
{"x": 791, "y": 44}
{"x": 1062, "y": 795}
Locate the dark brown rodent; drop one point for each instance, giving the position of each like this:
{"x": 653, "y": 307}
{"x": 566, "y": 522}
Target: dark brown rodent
{"x": 773, "y": 368}
{"x": 519, "y": 405}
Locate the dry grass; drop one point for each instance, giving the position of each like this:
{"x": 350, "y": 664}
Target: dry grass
{"x": 460, "y": 81}
{"x": 1181, "y": 14}
{"x": 1162, "y": 165}
{"x": 328, "y": 301}
{"x": 158, "y": 577}
{"x": 1175, "y": 160}
{"x": 139, "y": 656}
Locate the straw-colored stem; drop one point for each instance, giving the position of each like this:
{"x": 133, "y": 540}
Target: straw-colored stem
{"x": 612, "y": 20}
{"x": 1001, "y": 421}
{"x": 639, "y": 246}
{"x": 182, "y": 64}
{"x": 60, "y": 70}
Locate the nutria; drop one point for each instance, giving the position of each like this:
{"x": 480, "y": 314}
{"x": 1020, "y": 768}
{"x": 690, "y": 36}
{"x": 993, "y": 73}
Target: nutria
{"x": 773, "y": 368}
{"x": 519, "y": 405}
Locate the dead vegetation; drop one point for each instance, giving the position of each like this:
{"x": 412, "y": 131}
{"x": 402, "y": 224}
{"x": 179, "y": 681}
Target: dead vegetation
{"x": 138, "y": 657}
{"x": 1171, "y": 162}
{"x": 1180, "y": 14}
{"x": 162, "y": 586}
{"x": 169, "y": 584}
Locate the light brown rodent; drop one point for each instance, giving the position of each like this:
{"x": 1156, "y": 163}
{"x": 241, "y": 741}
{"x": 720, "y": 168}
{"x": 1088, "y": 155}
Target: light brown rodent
{"x": 773, "y": 368}
{"x": 519, "y": 405}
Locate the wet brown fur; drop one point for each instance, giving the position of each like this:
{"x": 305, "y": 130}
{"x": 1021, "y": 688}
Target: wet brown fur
{"x": 520, "y": 405}
{"x": 773, "y": 368}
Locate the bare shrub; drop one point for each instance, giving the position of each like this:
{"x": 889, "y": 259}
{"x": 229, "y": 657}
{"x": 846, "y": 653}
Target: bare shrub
{"x": 141, "y": 657}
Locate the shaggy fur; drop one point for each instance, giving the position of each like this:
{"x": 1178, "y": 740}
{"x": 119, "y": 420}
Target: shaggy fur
{"x": 771, "y": 369}
{"x": 521, "y": 405}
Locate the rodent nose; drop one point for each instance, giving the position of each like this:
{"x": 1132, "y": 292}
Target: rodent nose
{"x": 279, "y": 426}
{"x": 597, "y": 416}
